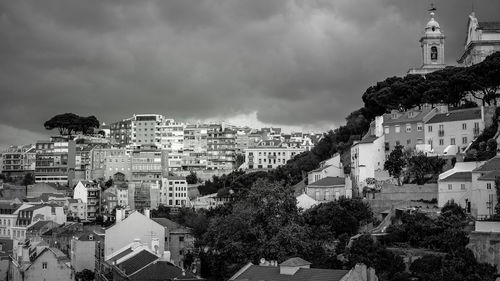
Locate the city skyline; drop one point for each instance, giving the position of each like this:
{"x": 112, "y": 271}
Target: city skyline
{"x": 289, "y": 64}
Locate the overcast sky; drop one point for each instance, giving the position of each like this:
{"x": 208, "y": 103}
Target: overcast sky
{"x": 296, "y": 64}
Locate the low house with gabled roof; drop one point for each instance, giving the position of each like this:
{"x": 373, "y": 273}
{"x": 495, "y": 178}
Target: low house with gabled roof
{"x": 328, "y": 189}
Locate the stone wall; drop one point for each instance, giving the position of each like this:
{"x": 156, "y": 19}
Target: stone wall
{"x": 486, "y": 247}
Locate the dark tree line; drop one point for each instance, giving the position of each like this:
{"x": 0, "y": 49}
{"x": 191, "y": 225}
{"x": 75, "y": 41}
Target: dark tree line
{"x": 451, "y": 85}
{"x": 69, "y": 123}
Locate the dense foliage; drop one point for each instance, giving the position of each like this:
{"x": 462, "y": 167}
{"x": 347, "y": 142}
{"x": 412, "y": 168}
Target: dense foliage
{"x": 444, "y": 233}
{"x": 69, "y": 123}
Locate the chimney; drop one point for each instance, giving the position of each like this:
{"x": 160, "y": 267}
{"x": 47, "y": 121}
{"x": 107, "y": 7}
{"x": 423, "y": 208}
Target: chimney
{"x": 120, "y": 214}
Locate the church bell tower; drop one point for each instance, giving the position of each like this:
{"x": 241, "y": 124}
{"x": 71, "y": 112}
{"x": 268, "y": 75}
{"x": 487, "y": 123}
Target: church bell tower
{"x": 432, "y": 43}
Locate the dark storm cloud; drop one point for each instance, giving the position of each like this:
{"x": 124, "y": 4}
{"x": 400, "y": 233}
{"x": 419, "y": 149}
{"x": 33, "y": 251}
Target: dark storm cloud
{"x": 303, "y": 63}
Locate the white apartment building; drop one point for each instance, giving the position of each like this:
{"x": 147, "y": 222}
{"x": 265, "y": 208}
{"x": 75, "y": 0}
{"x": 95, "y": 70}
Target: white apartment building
{"x": 368, "y": 155}
{"x": 269, "y": 155}
{"x": 174, "y": 192}
{"x": 456, "y": 128}
{"x": 90, "y": 194}
{"x": 472, "y": 186}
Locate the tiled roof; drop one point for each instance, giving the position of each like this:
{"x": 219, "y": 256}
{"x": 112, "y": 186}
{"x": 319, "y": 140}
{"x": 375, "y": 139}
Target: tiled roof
{"x": 456, "y": 115}
{"x": 459, "y": 176}
{"x": 491, "y": 176}
{"x": 328, "y": 181}
{"x": 257, "y": 273}
{"x": 171, "y": 225}
{"x": 491, "y": 165}
{"x": 320, "y": 169}
{"x": 138, "y": 261}
{"x": 120, "y": 255}
{"x": 368, "y": 139}
{"x": 38, "y": 225}
{"x": 295, "y": 262}
{"x": 162, "y": 270}
{"x": 489, "y": 25}
{"x": 403, "y": 117}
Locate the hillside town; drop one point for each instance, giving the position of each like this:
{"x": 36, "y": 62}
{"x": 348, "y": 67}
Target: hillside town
{"x": 408, "y": 189}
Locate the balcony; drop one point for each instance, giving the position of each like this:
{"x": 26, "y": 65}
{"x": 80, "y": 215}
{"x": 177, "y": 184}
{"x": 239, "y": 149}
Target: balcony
{"x": 441, "y": 133}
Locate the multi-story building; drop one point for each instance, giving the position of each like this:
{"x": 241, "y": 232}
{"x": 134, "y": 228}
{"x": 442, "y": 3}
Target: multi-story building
{"x": 90, "y": 194}
{"x": 178, "y": 240}
{"x": 8, "y": 218}
{"x": 27, "y": 214}
{"x": 367, "y": 156}
{"x": 18, "y": 161}
{"x": 83, "y": 162}
{"x": 121, "y": 132}
{"x": 270, "y": 154}
{"x": 172, "y": 136}
{"x": 146, "y": 129}
{"x": 30, "y": 262}
{"x": 82, "y": 252}
{"x": 174, "y": 192}
{"x": 121, "y": 192}
{"x": 329, "y": 168}
{"x": 106, "y": 162}
{"x": 456, "y": 128}
{"x": 192, "y": 161}
{"x": 221, "y": 148}
{"x": 149, "y": 164}
{"x": 482, "y": 39}
{"x": 405, "y": 128}
{"x": 55, "y": 160}
{"x": 472, "y": 186}
{"x": 195, "y": 138}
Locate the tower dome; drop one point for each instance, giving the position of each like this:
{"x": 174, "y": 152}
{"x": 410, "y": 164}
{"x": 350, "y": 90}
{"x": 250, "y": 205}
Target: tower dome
{"x": 432, "y": 26}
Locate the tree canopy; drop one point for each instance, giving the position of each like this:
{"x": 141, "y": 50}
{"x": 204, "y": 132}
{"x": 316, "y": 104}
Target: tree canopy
{"x": 69, "y": 123}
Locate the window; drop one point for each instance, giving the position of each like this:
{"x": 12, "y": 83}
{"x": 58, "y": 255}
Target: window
{"x": 452, "y": 141}
{"x": 434, "y": 53}
{"x": 386, "y": 130}
{"x": 44, "y": 265}
{"x": 464, "y": 140}
{"x": 464, "y": 126}
{"x": 429, "y": 128}
{"x": 450, "y": 187}
{"x": 408, "y": 128}
{"x": 181, "y": 238}
{"x": 462, "y": 186}
{"x": 488, "y": 186}
{"x": 397, "y": 129}
{"x": 420, "y": 127}
{"x": 441, "y": 142}
{"x": 408, "y": 142}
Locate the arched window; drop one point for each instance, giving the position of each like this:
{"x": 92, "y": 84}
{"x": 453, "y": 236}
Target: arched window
{"x": 434, "y": 53}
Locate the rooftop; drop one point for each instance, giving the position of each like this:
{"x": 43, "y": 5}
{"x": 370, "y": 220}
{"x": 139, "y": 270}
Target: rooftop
{"x": 328, "y": 181}
{"x": 295, "y": 262}
{"x": 489, "y": 25}
{"x": 458, "y": 176}
{"x": 162, "y": 270}
{"x": 367, "y": 139}
{"x": 456, "y": 115}
{"x": 257, "y": 273}
{"x": 403, "y": 117}
{"x": 136, "y": 262}
{"x": 491, "y": 176}
{"x": 491, "y": 165}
